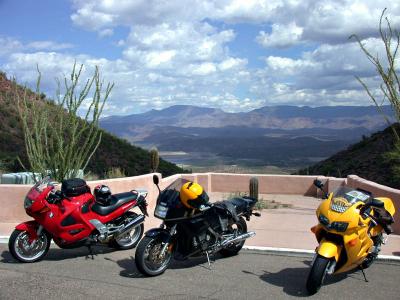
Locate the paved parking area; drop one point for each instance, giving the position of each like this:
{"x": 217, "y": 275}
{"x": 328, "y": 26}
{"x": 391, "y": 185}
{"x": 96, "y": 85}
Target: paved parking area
{"x": 68, "y": 274}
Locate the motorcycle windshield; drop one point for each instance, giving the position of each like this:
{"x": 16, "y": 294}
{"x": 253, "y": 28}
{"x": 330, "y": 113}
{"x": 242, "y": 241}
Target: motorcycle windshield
{"x": 169, "y": 203}
{"x": 345, "y": 197}
{"x": 170, "y": 195}
{"x": 42, "y": 184}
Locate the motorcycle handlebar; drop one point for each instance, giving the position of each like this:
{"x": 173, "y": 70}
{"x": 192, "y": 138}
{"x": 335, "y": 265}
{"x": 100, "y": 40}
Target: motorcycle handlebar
{"x": 373, "y": 203}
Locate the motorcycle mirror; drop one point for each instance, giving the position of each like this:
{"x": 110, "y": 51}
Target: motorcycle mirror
{"x": 155, "y": 179}
{"x": 318, "y": 184}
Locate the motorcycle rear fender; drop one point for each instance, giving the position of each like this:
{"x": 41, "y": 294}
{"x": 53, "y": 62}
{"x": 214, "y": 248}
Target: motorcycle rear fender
{"x": 30, "y": 227}
{"x": 159, "y": 232}
{"x": 329, "y": 249}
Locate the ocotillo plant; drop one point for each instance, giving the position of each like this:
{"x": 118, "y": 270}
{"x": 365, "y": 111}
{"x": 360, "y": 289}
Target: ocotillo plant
{"x": 57, "y": 140}
{"x": 154, "y": 159}
{"x": 253, "y": 187}
{"x": 387, "y": 69}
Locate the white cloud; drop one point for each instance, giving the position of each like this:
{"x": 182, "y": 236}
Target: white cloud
{"x": 281, "y": 36}
{"x": 48, "y": 46}
{"x": 186, "y": 52}
{"x": 9, "y": 45}
{"x": 204, "y": 69}
{"x": 106, "y": 32}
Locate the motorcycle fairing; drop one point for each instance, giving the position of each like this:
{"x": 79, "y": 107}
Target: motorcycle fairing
{"x": 329, "y": 249}
{"x": 160, "y": 232}
{"x": 30, "y": 227}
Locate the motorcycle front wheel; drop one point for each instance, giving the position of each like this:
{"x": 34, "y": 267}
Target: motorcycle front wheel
{"x": 238, "y": 227}
{"x": 25, "y": 250}
{"x": 317, "y": 274}
{"x": 148, "y": 257}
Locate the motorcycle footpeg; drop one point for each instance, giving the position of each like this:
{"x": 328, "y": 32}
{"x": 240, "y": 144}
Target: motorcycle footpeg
{"x": 257, "y": 214}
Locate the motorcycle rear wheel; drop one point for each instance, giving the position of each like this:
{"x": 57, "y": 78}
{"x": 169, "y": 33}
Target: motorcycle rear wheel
{"x": 22, "y": 250}
{"x": 131, "y": 238}
{"x": 317, "y": 274}
{"x": 241, "y": 227}
{"x": 148, "y": 258}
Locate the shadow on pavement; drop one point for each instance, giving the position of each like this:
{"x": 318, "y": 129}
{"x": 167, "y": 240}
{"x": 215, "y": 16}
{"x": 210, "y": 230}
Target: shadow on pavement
{"x": 57, "y": 254}
{"x": 293, "y": 280}
{"x": 129, "y": 266}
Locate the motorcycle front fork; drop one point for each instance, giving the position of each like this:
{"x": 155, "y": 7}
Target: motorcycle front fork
{"x": 38, "y": 233}
{"x": 171, "y": 233}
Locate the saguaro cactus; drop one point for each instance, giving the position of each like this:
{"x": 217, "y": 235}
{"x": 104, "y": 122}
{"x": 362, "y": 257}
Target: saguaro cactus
{"x": 253, "y": 187}
{"x": 154, "y": 159}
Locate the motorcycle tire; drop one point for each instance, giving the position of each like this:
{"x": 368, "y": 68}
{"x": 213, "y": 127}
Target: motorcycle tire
{"x": 241, "y": 226}
{"x": 147, "y": 257}
{"x": 19, "y": 247}
{"x": 317, "y": 274}
{"x": 131, "y": 239}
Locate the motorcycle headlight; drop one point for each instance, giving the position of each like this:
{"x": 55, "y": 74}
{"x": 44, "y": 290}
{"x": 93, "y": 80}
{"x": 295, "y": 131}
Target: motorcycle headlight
{"x": 339, "y": 226}
{"x": 323, "y": 220}
{"x": 28, "y": 203}
{"x": 161, "y": 211}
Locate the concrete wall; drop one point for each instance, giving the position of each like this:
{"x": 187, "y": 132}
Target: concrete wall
{"x": 12, "y": 196}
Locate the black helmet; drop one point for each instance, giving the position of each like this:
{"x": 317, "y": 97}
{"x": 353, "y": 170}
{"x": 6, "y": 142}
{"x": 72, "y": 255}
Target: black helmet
{"x": 102, "y": 194}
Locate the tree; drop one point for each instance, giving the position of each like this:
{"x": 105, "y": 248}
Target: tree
{"x": 57, "y": 140}
{"x": 386, "y": 68}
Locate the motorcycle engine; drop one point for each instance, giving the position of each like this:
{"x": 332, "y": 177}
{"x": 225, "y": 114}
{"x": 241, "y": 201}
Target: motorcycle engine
{"x": 204, "y": 240}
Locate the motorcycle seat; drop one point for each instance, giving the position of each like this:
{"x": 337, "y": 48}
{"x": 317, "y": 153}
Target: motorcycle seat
{"x": 115, "y": 201}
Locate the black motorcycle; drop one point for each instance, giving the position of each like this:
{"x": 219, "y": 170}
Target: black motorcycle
{"x": 216, "y": 227}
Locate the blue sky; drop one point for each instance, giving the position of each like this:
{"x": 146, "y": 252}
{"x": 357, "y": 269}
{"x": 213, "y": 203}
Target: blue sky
{"x": 232, "y": 54}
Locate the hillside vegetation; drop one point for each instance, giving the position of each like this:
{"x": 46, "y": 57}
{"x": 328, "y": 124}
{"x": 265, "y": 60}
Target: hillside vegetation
{"x": 367, "y": 159}
{"x": 113, "y": 152}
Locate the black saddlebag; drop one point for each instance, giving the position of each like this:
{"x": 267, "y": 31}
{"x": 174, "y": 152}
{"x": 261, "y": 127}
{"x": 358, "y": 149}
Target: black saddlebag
{"x": 74, "y": 187}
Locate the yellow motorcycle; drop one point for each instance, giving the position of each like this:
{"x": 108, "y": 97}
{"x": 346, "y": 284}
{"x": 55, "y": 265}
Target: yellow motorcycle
{"x": 349, "y": 233}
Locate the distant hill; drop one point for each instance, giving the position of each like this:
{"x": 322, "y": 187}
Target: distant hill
{"x": 113, "y": 152}
{"x": 365, "y": 159}
{"x": 268, "y": 117}
{"x": 283, "y": 136}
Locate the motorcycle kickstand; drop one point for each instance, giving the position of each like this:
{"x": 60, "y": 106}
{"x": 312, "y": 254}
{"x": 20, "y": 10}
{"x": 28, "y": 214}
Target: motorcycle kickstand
{"x": 362, "y": 270}
{"x": 90, "y": 252}
{"x": 208, "y": 259}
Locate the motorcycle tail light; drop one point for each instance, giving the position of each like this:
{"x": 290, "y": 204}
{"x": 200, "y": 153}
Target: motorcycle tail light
{"x": 28, "y": 203}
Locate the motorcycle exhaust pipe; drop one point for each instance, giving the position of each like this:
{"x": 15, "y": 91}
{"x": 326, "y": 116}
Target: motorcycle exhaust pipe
{"x": 135, "y": 222}
{"x": 239, "y": 238}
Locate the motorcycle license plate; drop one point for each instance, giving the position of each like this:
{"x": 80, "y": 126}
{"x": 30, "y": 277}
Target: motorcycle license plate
{"x": 161, "y": 211}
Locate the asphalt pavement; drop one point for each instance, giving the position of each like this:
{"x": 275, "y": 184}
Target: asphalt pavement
{"x": 70, "y": 274}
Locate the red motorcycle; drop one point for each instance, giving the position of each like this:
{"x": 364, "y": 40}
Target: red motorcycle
{"x": 73, "y": 217}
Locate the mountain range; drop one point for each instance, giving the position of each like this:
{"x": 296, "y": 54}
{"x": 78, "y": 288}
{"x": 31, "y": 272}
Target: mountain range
{"x": 285, "y": 136}
{"x": 268, "y": 117}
